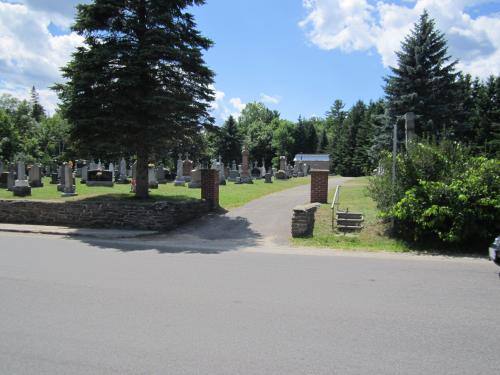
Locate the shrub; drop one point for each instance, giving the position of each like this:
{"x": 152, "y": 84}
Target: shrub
{"x": 463, "y": 210}
{"x": 441, "y": 193}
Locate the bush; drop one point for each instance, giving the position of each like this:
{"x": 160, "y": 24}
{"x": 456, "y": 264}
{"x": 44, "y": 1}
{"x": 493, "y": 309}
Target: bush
{"x": 464, "y": 211}
{"x": 441, "y": 194}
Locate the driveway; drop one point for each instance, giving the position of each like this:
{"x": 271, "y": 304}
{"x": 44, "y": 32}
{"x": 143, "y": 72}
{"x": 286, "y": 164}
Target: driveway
{"x": 263, "y": 222}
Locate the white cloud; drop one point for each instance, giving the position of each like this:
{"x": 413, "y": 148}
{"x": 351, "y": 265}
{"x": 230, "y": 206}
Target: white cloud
{"x": 222, "y": 109}
{"x": 30, "y": 54}
{"x": 269, "y": 99}
{"x": 356, "y": 25}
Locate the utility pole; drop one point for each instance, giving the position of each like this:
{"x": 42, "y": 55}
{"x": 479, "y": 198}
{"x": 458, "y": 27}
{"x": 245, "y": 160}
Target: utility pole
{"x": 394, "y": 155}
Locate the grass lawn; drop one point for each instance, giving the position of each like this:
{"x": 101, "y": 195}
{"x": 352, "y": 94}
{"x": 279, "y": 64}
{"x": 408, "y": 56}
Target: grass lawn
{"x": 353, "y": 195}
{"x": 231, "y": 195}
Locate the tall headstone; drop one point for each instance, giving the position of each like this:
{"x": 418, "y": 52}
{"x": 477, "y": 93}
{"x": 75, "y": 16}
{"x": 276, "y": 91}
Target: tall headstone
{"x": 122, "y": 174}
{"x": 187, "y": 167}
{"x": 263, "y": 169}
{"x": 152, "y": 181}
{"x": 1, "y": 167}
{"x": 222, "y": 175}
{"x": 282, "y": 173}
{"x": 11, "y": 180}
{"x": 69, "y": 189}
{"x": 21, "y": 187}
{"x": 179, "y": 178}
{"x": 245, "y": 173}
{"x": 35, "y": 176}
{"x": 112, "y": 170}
{"x": 84, "y": 174}
{"x": 60, "y": 184}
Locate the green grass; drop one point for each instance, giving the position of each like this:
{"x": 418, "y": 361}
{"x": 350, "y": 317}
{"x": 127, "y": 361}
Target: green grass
{"x": 353, "y": 196}
{"x": 231, "y": 195}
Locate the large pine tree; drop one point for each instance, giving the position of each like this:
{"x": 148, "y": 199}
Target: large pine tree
{"x": 424, "y": 80}
{"x": 139, "y": 85}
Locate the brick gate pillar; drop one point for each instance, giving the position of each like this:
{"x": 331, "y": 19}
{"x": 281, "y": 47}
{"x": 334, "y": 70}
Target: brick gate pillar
{"x": 319, "y": 186}
{"x": 210, "y": 187}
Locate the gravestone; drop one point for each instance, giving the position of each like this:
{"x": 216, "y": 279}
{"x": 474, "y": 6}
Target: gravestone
{"x": 84, "y": 174}
{"x": 4, "y": 176}
{"x": 255, "y": 173}
{"x": 122, "y": 173}
{"x": 179, "y": 178}
{"x": 69, "y": 189}
{"x": 1, "y": 167}
{"x": 160, "y": 174}
{"x": 99, "y": 165}
{"x": 187, "y": 167}
{"x": 111, "y": 168}
{"x": 35, "y": 176}
{"x": 281, "y": 174}
{"x": 233, "y": 173}
{"x": 60, "y": 178}
{"x": 245, "y": 177}
{"x": 21, "y": 187}
{"x": 11, "y": 180}
{"x": 268, "y": 179}
{"x": 263, "y": 169}
{"x": 99, "y": 177}
{"x": 152, "y": 181}
{"x": 195, "y": 178}
{"x": 222, "y": 176}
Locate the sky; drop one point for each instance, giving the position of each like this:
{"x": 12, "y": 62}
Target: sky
{"x": 295, "y": 56}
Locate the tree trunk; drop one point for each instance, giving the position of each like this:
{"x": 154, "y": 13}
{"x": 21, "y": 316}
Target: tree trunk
{"x": 142, "y": 181}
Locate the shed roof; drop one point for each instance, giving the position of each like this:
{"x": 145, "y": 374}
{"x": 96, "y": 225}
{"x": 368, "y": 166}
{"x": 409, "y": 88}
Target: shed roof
{"x": 312, "y": 157}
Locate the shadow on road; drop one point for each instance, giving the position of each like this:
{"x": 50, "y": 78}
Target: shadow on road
{"x": 211, "y": 234}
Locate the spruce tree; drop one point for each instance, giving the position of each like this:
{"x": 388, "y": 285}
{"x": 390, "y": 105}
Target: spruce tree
{"x": 323, "y": 142}
{"x": 229, "y": 143}
{"x": 37, "y": 111}
{"x": 424, "y": 80}
{"x": 139, "y": 85}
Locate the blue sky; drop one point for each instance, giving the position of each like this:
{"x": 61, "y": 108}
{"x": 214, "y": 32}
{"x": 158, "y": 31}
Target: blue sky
{"x": 296, "y": 56}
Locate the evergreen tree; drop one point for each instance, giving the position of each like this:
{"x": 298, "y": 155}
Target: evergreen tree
{"x": 229, "y": 142}
{"x": 424, "y": 80}
{"x": 311, "y": 142}
{"x": 37, "y": 111}
{"x": 300, "y": 136}
{"x": 323, "y": 142}
{"x": 139, "y": 85}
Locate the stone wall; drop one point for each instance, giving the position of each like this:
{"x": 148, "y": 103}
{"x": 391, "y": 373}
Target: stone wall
{"x": 303, "y": 220}
{"x": 159, "y": 216}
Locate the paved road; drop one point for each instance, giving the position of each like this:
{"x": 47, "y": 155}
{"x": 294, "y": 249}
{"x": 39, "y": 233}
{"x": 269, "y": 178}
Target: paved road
{"x": 264, "y": 221}
{"x": 74, "y": 306}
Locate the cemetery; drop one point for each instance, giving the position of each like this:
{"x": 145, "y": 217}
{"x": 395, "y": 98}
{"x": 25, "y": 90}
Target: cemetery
{"x": 104, "y": 197}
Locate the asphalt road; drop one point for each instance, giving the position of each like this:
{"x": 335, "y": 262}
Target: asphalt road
{"x": 75, "y": 306}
